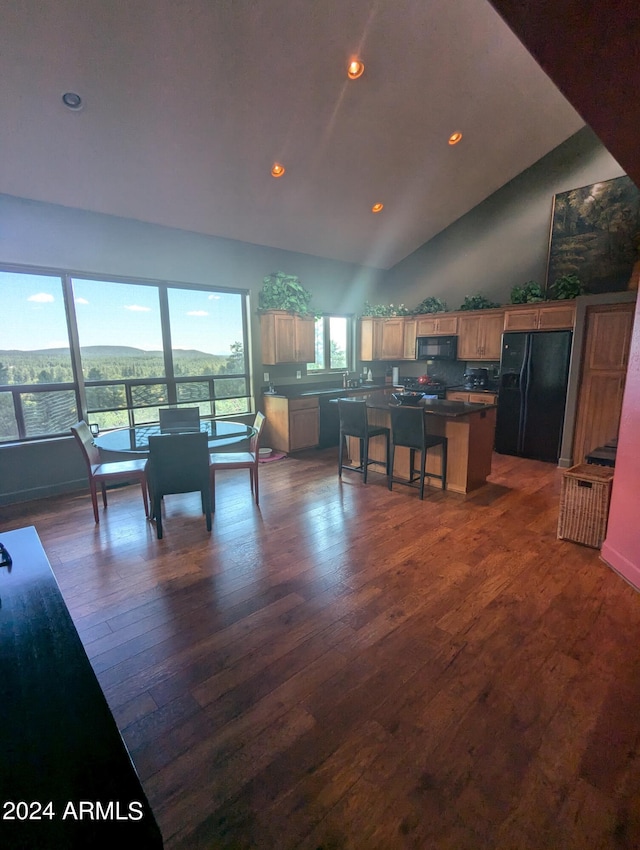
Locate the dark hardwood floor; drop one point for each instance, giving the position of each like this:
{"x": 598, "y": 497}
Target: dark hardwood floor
{"x": 346, "y": 667}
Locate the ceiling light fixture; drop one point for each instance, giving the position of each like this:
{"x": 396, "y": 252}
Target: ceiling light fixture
{"x": 376, "y": 208}
{"x": 454, "y": 138}
{"x": 277, "y": 170}
{"x": 355, "y": 69}
{"x": 72, "y": 100}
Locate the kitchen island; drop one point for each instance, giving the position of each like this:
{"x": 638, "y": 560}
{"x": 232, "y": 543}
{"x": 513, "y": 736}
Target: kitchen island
{"x": 469, "y": 429}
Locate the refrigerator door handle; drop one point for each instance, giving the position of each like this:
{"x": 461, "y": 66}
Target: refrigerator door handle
{"x": 525, "y": 376}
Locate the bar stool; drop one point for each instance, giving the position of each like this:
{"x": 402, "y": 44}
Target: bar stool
{"x": 409, "y": 429}
{"x": 355, "y": 423}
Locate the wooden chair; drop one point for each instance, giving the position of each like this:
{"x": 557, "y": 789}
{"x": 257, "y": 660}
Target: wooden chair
{"x": 354, "y": 422}
{"x": 111, "y": 472}
{"x": 409, "y": 429}
{"x": 178, "y": 463}
{"x": 174, "y": 420}
{"x": 241, "y": 460}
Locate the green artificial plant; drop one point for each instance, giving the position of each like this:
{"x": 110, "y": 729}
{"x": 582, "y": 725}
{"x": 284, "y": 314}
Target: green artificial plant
{"x": 477, "y": 302}
{"x": 529, "y": 293}
{"x": 566, "y": 286}
{"x": 385, "y": 310}
{"x": 282, "y": 291}
{"x": 431, "y": 305}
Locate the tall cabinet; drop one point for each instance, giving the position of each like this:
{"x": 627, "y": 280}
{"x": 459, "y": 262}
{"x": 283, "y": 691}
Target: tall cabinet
{"x": 604, "y": 367}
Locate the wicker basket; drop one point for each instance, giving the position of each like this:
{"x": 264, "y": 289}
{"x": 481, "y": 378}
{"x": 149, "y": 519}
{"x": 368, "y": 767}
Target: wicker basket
{"x": 584, "y": 504}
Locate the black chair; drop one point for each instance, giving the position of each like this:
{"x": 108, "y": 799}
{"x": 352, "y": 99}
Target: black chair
{"x": 178, "y": 463}
{"x": 409, "y": 429}
{"x": 354, "y": 423}
{"x": 178, "y": 420}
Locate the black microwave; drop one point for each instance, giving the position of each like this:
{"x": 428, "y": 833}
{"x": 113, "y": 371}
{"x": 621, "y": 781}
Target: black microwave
{"x": 437, "y": 347}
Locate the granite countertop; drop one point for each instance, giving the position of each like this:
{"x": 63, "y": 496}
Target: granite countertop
{"x": 302, "y": 392}
{"x": 490, "y": 390}
{"x": 433, "y": 406}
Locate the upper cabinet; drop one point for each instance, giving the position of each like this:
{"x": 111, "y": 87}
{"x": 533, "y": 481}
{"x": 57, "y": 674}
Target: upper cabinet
{"x": 479, "y": 332}
{"x": 540, "y": 317}
{"x": 370, "y": 338}
{"x": 384, "y": 339}
{"x": 410, "y": 334}
{"x": 392, "y": 340}
{"x": 480, "y": 335}
{"x": 436, "y": 325}
{"x": 287, "y": 338}
{"x": 395, "y": 338}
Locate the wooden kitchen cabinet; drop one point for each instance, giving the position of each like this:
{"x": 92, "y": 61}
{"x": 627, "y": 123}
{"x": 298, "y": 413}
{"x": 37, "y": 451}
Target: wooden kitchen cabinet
{"x": 287, "y": 338}
{"x": 291, "y": 424}
{"x": 480, "y": 335}
{"x": 392, "y": 339}
{"x": 472, "y": 397}
{"x": 370, "y": 338}
{"x": 386, "y": 339}
{"x": 437, "y": 325}
{"x": 410, "y": 335}
{"x": 604, "y": 367}
{"x": 542, "y": 317}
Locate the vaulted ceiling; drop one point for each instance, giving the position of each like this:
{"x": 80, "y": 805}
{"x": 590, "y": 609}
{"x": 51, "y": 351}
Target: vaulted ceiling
{"x": 186, "y": 105}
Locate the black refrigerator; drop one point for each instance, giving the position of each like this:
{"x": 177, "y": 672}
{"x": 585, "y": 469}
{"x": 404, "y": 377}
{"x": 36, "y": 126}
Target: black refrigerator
{"x": 534, "y": 369}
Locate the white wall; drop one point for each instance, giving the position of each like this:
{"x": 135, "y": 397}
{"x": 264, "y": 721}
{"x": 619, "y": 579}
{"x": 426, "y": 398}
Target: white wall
{"x": 503, "y": 241}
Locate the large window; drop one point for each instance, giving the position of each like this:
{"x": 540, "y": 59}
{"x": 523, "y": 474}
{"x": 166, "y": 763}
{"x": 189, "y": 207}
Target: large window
{"x": 37, "y": 388}
{"x": 114, "y": 352}
{"x": 333, "y": 344}
{"x": 207, "y": 339}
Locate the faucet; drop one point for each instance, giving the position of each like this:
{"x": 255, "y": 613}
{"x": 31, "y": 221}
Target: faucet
{"x": 345, "y": 380}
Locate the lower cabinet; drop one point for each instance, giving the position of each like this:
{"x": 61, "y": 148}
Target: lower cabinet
{"x": 470, "y": 396}
{"x": 291, "y": 424}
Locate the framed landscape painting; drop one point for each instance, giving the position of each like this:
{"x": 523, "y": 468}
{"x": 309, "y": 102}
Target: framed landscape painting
{"x": 595, "y": 234}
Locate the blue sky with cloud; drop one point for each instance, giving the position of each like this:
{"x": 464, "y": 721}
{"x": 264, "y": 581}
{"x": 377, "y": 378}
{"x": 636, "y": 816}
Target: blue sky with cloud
{"x": 115, "y": 314}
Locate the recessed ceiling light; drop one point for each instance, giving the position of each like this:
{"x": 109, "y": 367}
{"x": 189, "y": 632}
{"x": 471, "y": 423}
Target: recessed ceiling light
{"x": 72, "y": 100}
{"x": 454, "y": 138}
{"x": 355, "y": 69}
{"x": 277, "y": 170}
{"x": 377, "y": 208}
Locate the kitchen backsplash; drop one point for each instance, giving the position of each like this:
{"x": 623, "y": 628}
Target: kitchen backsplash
{"x": 450, "y": 372}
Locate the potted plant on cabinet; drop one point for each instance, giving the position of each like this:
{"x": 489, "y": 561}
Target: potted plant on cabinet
{"x": 478, "y": 302}
{"x": 529, "y": 293}
{"x": 566, "y": 286}
{"x": 430, "y": 304}
{"x": 282, "y": 291}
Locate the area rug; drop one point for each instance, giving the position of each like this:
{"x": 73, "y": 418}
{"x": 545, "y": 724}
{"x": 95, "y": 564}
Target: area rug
{"x": 273, "y": 456}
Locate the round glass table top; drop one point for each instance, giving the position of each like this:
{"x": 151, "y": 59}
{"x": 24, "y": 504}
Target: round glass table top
{"x": 221, "y": 433}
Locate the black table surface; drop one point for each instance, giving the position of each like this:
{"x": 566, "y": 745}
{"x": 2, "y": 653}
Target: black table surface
{"x": 221, "y": 432}
{"x": 66, "y": 778}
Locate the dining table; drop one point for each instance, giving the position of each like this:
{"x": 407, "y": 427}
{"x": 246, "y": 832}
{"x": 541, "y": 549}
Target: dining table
{"x": 135, "y": 440}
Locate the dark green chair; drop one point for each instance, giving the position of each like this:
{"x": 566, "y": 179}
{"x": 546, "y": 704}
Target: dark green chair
{"x": 409, "y": 429}
{"x": 354, "y": 422}
{"x": 178, "y": 463}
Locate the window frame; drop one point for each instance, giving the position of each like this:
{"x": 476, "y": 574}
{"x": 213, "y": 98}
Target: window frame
{"x": 326, "y": 344}
{"x": 80, "y": 383}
